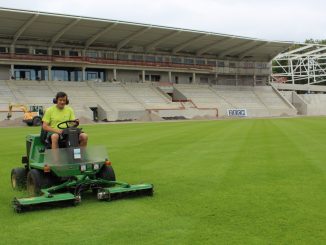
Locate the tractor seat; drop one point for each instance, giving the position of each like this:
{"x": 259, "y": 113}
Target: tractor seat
{"x": 46, "y": 141}
{"x": 70, "y": 139}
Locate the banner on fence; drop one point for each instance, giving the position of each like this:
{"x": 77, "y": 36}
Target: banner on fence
{"x": 237, "y": 112}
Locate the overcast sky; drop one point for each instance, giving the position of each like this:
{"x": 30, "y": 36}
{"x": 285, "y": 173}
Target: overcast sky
{"x": 284, "y": 20}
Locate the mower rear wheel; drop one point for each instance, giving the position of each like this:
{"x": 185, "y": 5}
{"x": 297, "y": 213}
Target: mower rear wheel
{"x": 18, "y": 178}
{"x": 106, "y": 173}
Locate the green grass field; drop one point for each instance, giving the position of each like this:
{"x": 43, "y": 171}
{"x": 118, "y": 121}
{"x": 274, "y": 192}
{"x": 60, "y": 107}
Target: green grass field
{"x": 216, "y": 182}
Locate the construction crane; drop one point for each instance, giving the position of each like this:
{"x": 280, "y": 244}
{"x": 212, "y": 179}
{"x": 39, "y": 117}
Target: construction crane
{"x": 32, "y": 116}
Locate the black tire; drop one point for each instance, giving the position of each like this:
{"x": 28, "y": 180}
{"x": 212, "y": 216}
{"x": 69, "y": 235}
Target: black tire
{"x": 29, "y": 123}
{"x": 37, "y": 180}
{"x": 34, "y": 182}
{"x": 18, "y": 178}
{"x": 37, "y": 121}
{"x": 106, "y": 173}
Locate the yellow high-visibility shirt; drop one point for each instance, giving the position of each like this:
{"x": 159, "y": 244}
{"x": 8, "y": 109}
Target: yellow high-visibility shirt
{"x": 53, "y": 115}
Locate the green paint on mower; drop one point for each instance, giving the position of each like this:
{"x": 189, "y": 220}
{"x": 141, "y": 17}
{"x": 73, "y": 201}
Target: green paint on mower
{"x": 58, "y": 177}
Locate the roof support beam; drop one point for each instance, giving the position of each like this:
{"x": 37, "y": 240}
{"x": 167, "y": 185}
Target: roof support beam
{"x": 249, "y": 50}
{"x": 233, "y": 49}
{"x": 300, "y": 49}
{"x": 187, "y": 43}
{"x": 131, "y": 37}
{"x": 319, "y": 49}
{"x": 55, "y": 38}
{"x": 23, "y": 28}
{"x": 98, "y": 35}
{"x": 158, "y": 41}
{"x": 213, "y": 45}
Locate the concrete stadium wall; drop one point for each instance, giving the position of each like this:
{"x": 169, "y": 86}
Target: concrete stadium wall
{"x": 4, "y": 72}
{"x": 299, "y": 104}
{"x": 316, "y": 104}
{"x": 128, "y": 76}
{"x": 183, "y": 78}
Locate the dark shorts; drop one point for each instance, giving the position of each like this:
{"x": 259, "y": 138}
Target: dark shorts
{"x": 48, "y": 137}
{"x": 49, "y": 134}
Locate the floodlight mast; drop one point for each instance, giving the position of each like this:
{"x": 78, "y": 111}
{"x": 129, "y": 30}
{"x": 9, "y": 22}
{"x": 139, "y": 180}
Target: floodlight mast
{"x": 305, "y": 65}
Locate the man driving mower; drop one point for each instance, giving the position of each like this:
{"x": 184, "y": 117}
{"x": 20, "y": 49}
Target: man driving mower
{"x": 59, "y": 177}
{"x": 56, "y": 114}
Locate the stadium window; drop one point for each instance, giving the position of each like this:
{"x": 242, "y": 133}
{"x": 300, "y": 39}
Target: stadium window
{"x": 155, "y": 78}
{"x": 73, "y": 53}
{"x": 150, "y": 58}
{"x": 21, "y": 50}
{"x": 122, "y": 56}
{"x": 176, "y": 60}
{"x": 248, "y": 65}
{"x": 200, "y": 62}
{"x": 211, "y": 62}
{"x": 167, "y": 59}
{"x": 109, "y": 55}
{"x": 159, "y": 59}
{"x": 232, "y": 65}
{"x": 3, "y": 50}
{"x": 188, "y": 61}
{"x": 203, "y": 79}
{"x": 41, "y": 51}
{"x": 60, "y": 75}
{"x": 91, "y": 54}
{"x": 259, "y": 65}
{"x": 58, "y": 52}
{"x": 190, "y": 79}
{"x": 91, "y": 75}
{"x": 220, "y": 64}
{"x": 137, "y": 57}
{"x": 176, "y": 79}
{"x": 24, "y": 74}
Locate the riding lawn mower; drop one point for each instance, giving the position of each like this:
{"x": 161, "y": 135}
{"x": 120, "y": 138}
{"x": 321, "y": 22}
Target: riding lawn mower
{"x": 58, "y": 177}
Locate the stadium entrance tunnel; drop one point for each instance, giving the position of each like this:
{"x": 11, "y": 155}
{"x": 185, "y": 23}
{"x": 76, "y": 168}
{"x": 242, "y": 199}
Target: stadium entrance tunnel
{"x": 172, "y": 93}
{"x": 95, "y": 113}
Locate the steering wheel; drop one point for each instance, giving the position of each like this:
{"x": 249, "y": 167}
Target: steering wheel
{"x": 67, "y": 123}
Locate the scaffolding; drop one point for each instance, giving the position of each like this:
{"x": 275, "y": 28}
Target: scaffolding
{"x": 305, "y": 65}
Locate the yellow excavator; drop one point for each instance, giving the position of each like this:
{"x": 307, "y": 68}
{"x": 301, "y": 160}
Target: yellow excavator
{"x": 32, "y": 116}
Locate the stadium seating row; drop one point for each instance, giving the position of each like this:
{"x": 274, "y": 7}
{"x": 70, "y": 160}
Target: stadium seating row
{"x": 122, "y": 101}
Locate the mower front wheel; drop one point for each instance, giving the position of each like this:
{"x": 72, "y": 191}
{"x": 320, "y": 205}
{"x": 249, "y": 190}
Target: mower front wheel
{"x": 18, "y": 178}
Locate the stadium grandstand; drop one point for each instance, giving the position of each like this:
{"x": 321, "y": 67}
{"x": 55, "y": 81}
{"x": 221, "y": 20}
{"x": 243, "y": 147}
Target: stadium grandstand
{"x": 115, "y": 70}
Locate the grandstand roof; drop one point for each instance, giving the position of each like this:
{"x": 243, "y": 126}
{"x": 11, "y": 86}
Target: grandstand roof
{"x": 54, "y": 29}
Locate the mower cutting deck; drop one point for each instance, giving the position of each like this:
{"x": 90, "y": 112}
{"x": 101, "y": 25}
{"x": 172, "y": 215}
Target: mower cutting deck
{"x": 58, "y": 177}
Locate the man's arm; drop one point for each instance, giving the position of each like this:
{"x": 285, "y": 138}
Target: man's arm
{"x": 72, "y": 116}
{"x": 46, "y": 123}
{"x": 47, "y": 128}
